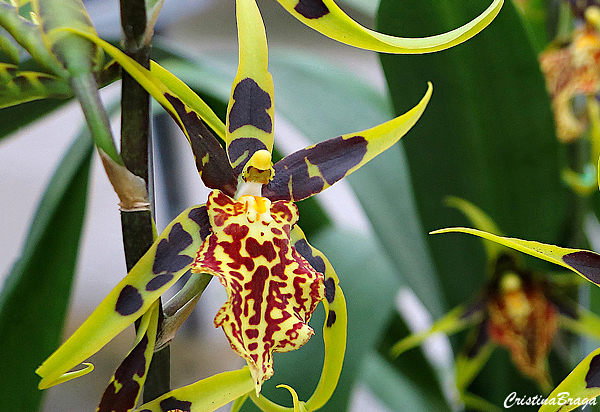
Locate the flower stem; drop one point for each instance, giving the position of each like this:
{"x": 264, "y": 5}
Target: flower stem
{"x": 138, "y": 233}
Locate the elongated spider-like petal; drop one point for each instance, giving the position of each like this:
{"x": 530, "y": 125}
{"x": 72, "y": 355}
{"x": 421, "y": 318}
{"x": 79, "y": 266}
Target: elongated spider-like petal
{"x": 315, "y": 168}
{"x": 250, "y": 111}
{"x": 327, "y": 18}
{"x": 188, "y": 111}
{"x": 582, "y": 262}
{"x": 272, "y": 290}
{"x": 583, "y": 383}
{"x": 169, "y": 258}
{"x": 205, "y": 395}
{"x": 126, "y": 384}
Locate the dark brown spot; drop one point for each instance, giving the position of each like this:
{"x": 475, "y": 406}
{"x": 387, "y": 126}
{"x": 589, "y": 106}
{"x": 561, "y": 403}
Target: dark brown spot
{"x": 123, "y": 399}
{"x": 331, "y": 317}
{"x": 200, "y": 216}
{"x": 172, "y": 403}
{"x": 334, "y": 158}
{"x": 305, "y": 250}
{"x": 241, "y": 150}
{"x": 585, "y": 262}
{"x": 158, "y": 282}
{"x": 329, "y": 289}
{"x": 129, "y": 301}
{"x": 167, "y": 257}
{"x": 216, "y": 173}
{"x": 250, "y": 107}
{"x": 474, "y": 308}
{"x": 592, "y": 377}
{"x": 253, "y": 346}
{"x": 311, "y": 9}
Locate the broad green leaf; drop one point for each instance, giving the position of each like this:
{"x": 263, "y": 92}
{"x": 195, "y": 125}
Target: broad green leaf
{"x": 487, "y": 136}
{"x": 398, "y": 391}
{"x": 35, "y": 296}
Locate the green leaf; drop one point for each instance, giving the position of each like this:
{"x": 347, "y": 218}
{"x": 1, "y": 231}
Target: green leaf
{"x": 13, "y": 118}
{"x": 398, "y": 391}
{"x": 35, "y": 296}
{"x": 487, "y": 137}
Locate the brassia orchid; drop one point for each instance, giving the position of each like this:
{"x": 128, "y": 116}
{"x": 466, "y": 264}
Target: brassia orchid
{"x": 573, "y": 70}
{"x": 517, "y": 309}
{"x": 246, "y": 234}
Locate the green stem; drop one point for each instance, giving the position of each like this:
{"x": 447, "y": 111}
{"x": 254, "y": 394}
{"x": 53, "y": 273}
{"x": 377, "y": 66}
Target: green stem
{"x": 85, "y": 88}
{"x": 135, "y": 133}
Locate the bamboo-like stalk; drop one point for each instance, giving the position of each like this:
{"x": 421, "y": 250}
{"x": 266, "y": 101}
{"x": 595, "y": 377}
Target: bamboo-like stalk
{"x": 135, "y": 134}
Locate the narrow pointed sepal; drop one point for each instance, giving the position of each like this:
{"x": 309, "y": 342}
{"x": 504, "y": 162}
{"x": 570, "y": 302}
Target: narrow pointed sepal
{"x": 272, "y": 290}
{"x": 250, "y": 113}
{"x": 580, "y": 387}
{"x": 126, "y": 384}
{"x": 205, "y": 395}
{"x": 327, "y": 18}
{"x": 473, "y": 356}
{"x": 456, "y": 320}
{"x": 481, "y": 221}
{"x": 188, "y": 111}
{"x": 169, "y": 258}
{"x": 582, "y": 322}
{"x": 582, "y": 262}
{"x": 311, "y": 170}
{"x": 298, "y": 405}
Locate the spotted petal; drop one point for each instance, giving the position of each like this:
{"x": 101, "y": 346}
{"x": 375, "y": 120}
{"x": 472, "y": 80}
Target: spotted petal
{"x": 582, "y": 262}
{"x": 126, "y": 384}
{"x": 272, "y": 290}
{"x": 205, "y": 395}
{"x": 188, "y": 111}
{"x": 581, "y": 385}
{"x": 327, "y": 18}
{"x": 315, "y": 168}
{"x": 250, "y": 110}
{"x": 169, "y": 258}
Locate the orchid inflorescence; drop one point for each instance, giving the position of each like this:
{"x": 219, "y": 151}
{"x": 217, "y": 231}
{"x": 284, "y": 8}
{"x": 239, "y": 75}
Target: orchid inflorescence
{"x": 246, "y": 234}
{"x": 518, "y": 308}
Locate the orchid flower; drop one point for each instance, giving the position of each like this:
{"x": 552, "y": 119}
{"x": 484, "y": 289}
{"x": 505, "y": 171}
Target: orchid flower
{"x": 518, "y": 309}
{"x": 573, "y": 70}
{"x": 584, "y": 380}
{"x": 247, "y": 233}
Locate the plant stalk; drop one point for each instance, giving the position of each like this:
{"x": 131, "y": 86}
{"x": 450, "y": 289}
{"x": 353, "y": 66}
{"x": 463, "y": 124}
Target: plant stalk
{"x": 138, "y": 233}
